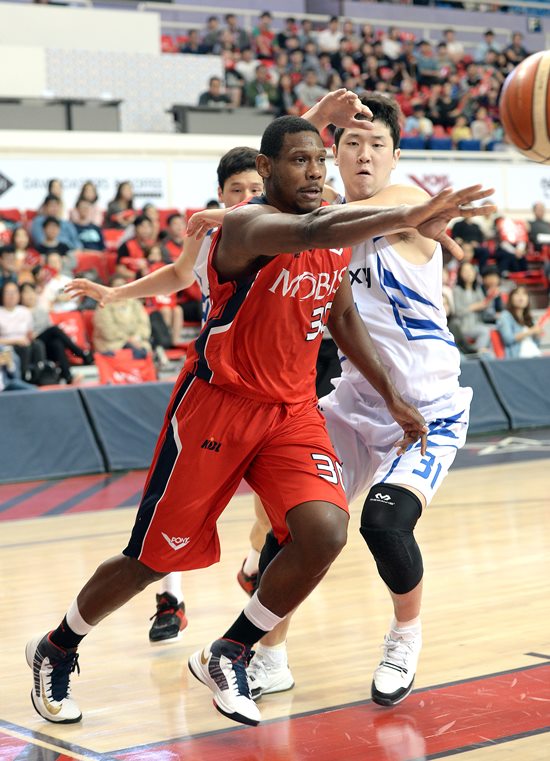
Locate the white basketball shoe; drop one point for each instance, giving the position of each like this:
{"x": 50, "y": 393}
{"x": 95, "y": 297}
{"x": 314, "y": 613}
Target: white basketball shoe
{"x": 221, "y": 666}
{"x": 394, "y": 678}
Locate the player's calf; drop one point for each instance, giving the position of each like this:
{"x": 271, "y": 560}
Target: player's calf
{"x": 389, "y": 516}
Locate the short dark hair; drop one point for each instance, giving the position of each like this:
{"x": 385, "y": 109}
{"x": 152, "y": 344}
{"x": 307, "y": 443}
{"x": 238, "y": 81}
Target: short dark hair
{"x": 492, "y": 270}
{"x": 51, "y": 197}
{"x": 235, "y": 161}
{"x": 385, "y": 110}
{"x": 274, "y": 134}
{"x": 140, "y": 219}
{"x": 171, "y": 217}
{"x": 50, "y": 221}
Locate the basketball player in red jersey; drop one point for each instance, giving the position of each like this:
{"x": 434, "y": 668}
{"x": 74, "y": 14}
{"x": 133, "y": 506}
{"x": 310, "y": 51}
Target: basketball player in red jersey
{"x": 245, "y": 407}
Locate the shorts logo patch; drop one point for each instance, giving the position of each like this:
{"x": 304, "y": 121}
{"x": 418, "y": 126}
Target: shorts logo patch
{"x": 211, "y": 445}
{"x": 176, "y": 542}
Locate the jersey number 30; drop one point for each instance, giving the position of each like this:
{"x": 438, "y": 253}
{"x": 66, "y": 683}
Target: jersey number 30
{"x": 319, "y": 319}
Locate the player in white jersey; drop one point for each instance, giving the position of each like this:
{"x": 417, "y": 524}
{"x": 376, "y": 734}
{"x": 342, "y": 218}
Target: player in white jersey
{"x": 397, "y": 287}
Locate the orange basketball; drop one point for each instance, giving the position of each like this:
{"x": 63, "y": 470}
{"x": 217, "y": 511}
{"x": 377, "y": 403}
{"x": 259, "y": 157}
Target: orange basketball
{"x": 525, "y": 107}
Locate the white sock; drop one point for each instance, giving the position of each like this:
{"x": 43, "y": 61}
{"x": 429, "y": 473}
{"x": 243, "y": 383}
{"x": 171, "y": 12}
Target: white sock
{"x": 171, "y": 583}
{"x": 260, "y": 616}
{"x": 406, "y": 629}
{"x": 274, "y": 654}
{"x": 76, "y": 622}
{"x": 250, "y": 566}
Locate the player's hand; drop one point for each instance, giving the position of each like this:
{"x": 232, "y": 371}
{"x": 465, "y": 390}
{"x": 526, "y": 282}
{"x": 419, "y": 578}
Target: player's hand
{"x": 432, "y": 218}
{"x": 413, "y": 425}
{"x": 82, "y": 287}
{"x": 203, "y": 221}
{"x": 344, "y": 109}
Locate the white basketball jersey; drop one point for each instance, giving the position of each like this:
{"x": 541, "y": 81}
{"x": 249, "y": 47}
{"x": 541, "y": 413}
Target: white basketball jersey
{"x": 402, "y": 306}
{"x": 201, "y": 273}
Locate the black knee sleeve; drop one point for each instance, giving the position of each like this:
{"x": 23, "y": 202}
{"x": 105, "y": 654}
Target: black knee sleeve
{"x": 270, "y": 549}
{"x": 389, "y": 516}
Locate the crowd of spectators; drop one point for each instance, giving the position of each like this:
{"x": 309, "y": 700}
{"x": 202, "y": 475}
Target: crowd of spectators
{"x": 443, "y": 90}
{"x": 40, "y": 256}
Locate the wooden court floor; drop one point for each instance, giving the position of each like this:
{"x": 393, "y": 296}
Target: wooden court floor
{"x": 482, "y": 688}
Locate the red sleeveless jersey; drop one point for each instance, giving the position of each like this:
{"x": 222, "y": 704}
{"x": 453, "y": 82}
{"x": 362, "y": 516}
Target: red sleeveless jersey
{"x": 262, "y": 336}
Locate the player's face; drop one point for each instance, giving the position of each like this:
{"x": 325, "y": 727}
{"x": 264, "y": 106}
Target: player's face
{"x": 241, "y": 186}
{"x": 296, "y": 177}
{"x": 366, "y": 161}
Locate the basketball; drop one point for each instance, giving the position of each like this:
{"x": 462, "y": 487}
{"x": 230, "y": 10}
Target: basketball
{"x": 525, "y": 107}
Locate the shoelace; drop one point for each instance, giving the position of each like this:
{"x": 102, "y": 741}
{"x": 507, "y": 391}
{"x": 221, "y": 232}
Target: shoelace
{"x": 60, "y": 676}
{"x": 396, "y": 653}
{"x": 164, "y": 608}
{"x": 240, "y": 679}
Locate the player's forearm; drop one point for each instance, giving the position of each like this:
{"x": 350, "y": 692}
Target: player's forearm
{"x": 353, "y": 339}
{"x": 161, "y": 282}
{"x": 349, "y": 225}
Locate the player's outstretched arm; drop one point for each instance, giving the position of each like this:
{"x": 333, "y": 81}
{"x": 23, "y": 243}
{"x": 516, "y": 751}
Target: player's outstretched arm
{"x": 353, "y": 339}
{"x": 164, "y": 281}
{"x": 255, "y": 231}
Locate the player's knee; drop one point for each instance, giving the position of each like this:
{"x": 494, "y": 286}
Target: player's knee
{"x": 389, "y": 516}
{"x": 331, "y": 535}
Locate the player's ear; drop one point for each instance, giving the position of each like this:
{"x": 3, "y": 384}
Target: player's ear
{"x": 220, "y": 194}
{"x": 263, "y": 166}
{"x": 335, "y": 154}
{"x": 396, "y": 157}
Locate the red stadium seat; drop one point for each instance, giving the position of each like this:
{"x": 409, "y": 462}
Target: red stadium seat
{"x": 73, "y": 325}
{"x": 122, "y": 368}
{"x": 93, "y": 260}
{"x": 164, "y": 214}
{"x": 88, "y": 319}
{"x": 497, "y": 344}
{"x": 189, "y": 212}
{"x": 111, "y": 237}
{"x": 11, "y": 215}
{"x": 167, "y": 44}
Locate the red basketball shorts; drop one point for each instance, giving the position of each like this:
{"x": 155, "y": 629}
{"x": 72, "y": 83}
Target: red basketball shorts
{"x": 211, "y": 439}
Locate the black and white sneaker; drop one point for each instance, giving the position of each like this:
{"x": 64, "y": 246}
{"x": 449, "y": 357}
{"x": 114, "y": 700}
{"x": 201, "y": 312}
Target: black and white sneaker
{"x": 221, "y": 666}
{"x": 394, "y": 678}
{"x": 52, "y": 667}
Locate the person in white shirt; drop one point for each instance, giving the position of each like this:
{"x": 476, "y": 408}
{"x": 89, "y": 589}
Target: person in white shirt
{"x": 53, "y": 298}
{"x": 328, "y": 40}
{"x": 16, "y": 329}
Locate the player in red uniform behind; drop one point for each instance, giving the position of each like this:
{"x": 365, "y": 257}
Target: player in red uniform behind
{"x": 245, "y": 407}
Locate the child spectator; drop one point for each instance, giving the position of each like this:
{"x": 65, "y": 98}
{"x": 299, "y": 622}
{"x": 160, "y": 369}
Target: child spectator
{"x": 89, "y": 234}
{"x": 461, "y": 130}
{"x": 132, "y": 254}
{"x": 418, "y": 123}
{"x": 52, "y": 243}
{"x": 53, "y": 298}
{"x": 520, "y": 335}
{"x": 52, "y": 208}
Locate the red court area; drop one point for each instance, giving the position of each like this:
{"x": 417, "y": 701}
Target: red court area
{"x": 433, "y": 723}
